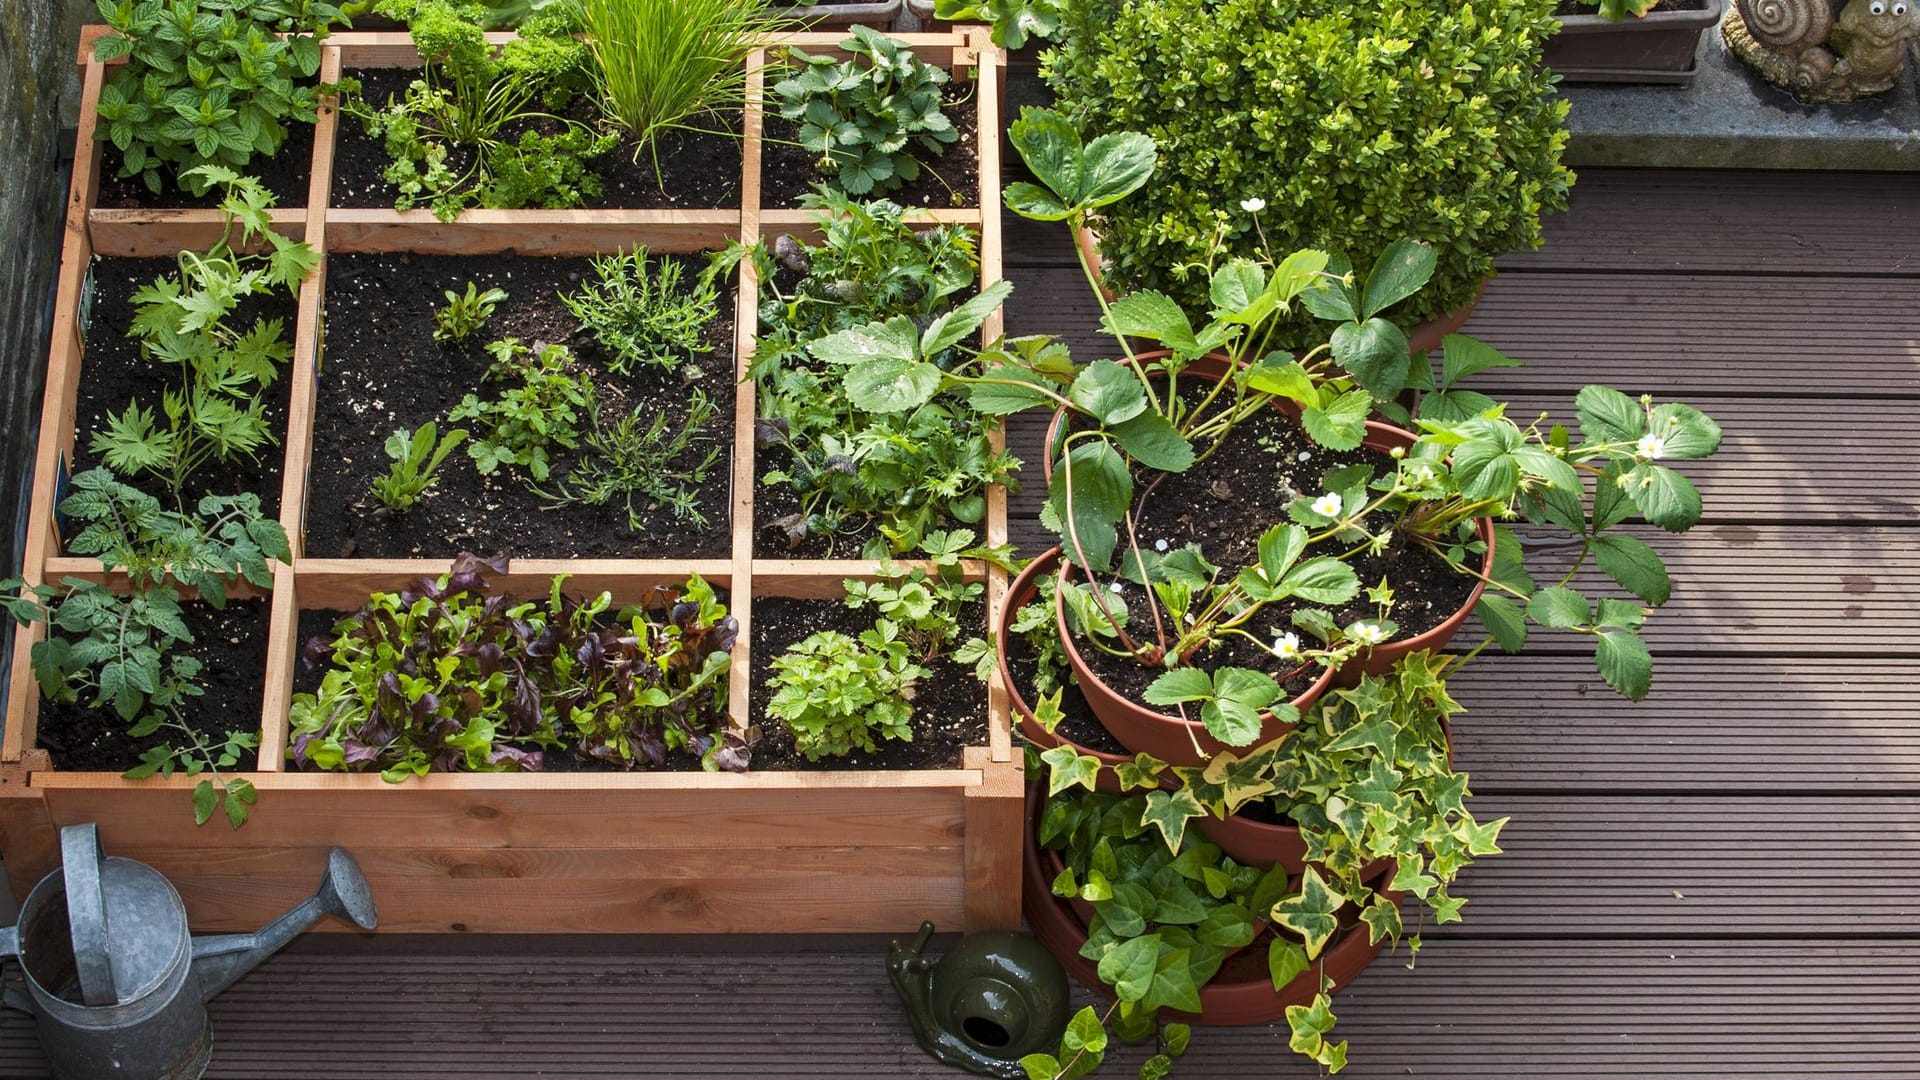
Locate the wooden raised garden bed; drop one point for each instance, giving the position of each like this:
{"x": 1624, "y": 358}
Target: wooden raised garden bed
{"x": 764, "y": 851}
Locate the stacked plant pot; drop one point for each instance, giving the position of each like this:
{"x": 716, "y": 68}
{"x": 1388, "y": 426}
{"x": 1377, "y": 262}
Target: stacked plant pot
{"x": 1105, "y": 724}
{"x": 587, "y": 850}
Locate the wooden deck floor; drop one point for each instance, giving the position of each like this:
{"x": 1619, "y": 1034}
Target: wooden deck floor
{"x": 1722, "y": 881}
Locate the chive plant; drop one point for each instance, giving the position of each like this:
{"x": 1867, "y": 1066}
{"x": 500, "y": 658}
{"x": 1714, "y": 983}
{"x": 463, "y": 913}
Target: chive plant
{"x": 664, "y": 64}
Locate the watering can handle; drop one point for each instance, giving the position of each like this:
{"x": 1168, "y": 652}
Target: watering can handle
{"x": 81, "y": 864}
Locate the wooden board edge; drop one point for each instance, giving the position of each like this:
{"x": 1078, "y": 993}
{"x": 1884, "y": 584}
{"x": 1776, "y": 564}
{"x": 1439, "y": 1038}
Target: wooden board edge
{"x": 746, "y": 403}
{"x": 995, "y": 824}
{"x": 283, "y": 652}
{"x": 958, "y": 780}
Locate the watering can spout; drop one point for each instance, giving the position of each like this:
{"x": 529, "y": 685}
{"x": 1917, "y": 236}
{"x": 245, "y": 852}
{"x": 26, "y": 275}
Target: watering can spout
{"x": 220, "y": 961}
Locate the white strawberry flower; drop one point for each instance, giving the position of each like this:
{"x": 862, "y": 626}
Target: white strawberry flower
{"x": 1253, "y": 206}
{"x": 1327, "y": 505}
{"x": 1652, "y": 447}
{"x": 1287, "y": 646}
{"x": 1367, "y": 633}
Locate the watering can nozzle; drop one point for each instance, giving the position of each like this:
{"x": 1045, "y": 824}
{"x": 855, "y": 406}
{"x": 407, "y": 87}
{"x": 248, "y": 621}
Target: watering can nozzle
{"x": 344, "y": 892}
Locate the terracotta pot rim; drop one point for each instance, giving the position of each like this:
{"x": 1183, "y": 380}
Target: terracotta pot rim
{"x": 1018, "y": 592}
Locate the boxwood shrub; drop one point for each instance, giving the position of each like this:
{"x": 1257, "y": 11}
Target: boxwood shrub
{"x": 1356, "y": 122}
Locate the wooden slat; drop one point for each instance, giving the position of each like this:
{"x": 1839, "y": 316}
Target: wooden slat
{"x": 1718, "y": 221}
{"x": 1539, "y": 724}
{"x": 746, "y": 328}
{"x": 1680, "y": 335}
{"x": 1793, "y": 461}
{"x": 151, "y": 234}
{"x": 1769, "y": 591}
{"x": 627, "y": 1007}
{"x": 530, "y": 232}
{"x": 996, "y": 821}
{"x": 989, "y": 86}
{"x": 1616, "y": 864}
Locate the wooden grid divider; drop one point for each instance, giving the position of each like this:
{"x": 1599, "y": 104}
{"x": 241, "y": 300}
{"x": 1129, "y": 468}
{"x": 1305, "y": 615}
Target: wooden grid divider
{"x": 963, "y": 822}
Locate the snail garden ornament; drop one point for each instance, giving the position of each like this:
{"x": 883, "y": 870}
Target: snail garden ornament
{"x": 1820, "y": 54}
{"x": 991, "y": 1000}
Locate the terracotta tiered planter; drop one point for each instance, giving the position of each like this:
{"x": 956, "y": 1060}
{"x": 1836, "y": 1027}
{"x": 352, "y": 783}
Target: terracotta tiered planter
{"x": 1241, "y": 993}
{"x": 1149, "y": 731}
{"x": 528, "y": 852}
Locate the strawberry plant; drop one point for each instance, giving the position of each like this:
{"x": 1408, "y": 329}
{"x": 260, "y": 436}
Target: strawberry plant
{"x": 863, "y": 117}
{"x": 207, "y": 82}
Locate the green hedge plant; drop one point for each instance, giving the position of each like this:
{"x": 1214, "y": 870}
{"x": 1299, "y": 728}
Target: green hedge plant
{"x": 1345, "y": 127}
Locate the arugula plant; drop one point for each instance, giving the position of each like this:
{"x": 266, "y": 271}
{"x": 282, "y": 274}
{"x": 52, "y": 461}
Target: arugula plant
{"x": 891, "y": 475}
{"x": 465, "y": 313}
{"x": 644, "y": 464}
{"x": 869, "y": 265}
{"x": 642, "y": 313}
{"x": 839, "y": 693}
{"x": 207, "y": 82}
{"x": 216, "y": 413}
{"x": 445, "y": 674}
{"x": 451, "y": 136}
{"x": 105, "y": 649}
{"x": 864, "y": 116}
{"x": 1014, "y": 22}
{"x": 539, "y": 412}
{"x": 416, "y": 455}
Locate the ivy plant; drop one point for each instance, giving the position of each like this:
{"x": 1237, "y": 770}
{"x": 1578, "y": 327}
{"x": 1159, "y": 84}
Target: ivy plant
{"x": 864, "y": 117}
{"x": 207, "y": 82}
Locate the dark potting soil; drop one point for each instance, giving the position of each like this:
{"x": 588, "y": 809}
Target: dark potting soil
{"x": 384, "y": 371}
{"x": 286, "y": 174}
{"x": 1227, "y": 501}
{"x": 231, "y": 645}
{"x": 789, "y": 170}
{"x": 1079, "y": 725}
{"x": 949, "y": 708}
{"x": 698, "y": 170}
{"x": 114, "y": 373}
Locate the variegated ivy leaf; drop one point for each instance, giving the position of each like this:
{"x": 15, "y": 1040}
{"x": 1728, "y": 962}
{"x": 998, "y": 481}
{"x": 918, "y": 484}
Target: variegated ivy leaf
{"x": 1311, "y": 913}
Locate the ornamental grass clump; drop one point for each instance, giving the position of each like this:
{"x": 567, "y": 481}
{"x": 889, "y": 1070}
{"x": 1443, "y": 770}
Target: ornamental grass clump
{"x": 1359, "y": 125}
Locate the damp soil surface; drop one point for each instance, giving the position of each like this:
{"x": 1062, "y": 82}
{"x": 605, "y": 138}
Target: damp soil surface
{"x": 231, "y": 645}
{"x": 698, "y": 169}
{"x": 1227, "y": 501}
{"x": 949, "y": 708}
{"x": 286, "y": 174}
{"x": 114, "y": 373}
{"x": 1079, "y": 725}
{"x": 789, "y": 170}
{"x": 383, "y": 371}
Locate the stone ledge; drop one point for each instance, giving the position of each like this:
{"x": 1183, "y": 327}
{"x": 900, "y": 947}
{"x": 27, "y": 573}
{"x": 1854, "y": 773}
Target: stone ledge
{"x": 1730, "y": 118}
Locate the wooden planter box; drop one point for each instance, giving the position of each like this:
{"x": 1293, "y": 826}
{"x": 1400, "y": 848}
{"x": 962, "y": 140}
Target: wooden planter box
{"x": 1659, "y": 47}
{"x": 843, "y": 851}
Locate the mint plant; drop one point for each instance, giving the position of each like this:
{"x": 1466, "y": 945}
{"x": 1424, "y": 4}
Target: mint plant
{"x": 216, "y": 413}
{"x": 105, "y": 649}
{"x": 416, "y": 455}
{"x": 465, "y": 313}
{"x": 207, "y": 82}
{"x": 863, "y": 117}
{"x": 643, "y": 314}
{"x": 539, "y": 412}
{"x": 839, "y": 693}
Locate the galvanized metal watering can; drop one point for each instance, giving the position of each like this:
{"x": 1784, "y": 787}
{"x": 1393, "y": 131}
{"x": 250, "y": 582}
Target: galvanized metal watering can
{"x": 118, "y": 985}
